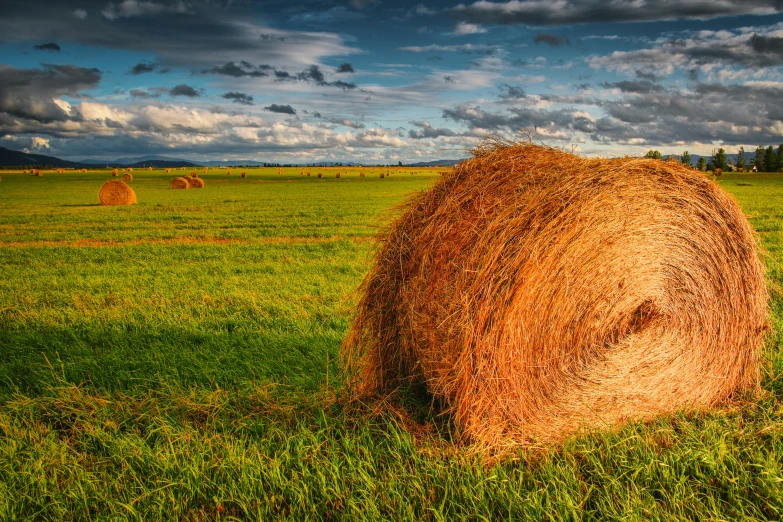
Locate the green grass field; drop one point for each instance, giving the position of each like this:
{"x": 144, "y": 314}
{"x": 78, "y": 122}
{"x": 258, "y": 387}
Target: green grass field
{"x": 177, "y": 360}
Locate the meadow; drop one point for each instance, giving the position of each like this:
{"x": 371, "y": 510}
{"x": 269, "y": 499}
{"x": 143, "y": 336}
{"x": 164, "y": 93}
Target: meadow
{"x": 178, "y": 360}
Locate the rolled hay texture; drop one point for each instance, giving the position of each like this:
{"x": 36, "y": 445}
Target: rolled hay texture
{"x": 537, "y": 293}
{"x": 127, "y": 177}
{"x": 320, "y": 175}
{"x": 180, "y": 183}
{"x": 243, "y": 175}
{"x": 196, "y": 183}
{"x": 718, "y": 172}
{"x": 114, "y": 173}
{"x": 117, "y": 192}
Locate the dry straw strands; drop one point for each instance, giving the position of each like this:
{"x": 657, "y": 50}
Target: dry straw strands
{"x": 537, "y": 293}
{"x": 180, "y": 183}
{"x": 127, "y": 177}
{"x": 196, "y": 183}
{"x": 116, "y": 192}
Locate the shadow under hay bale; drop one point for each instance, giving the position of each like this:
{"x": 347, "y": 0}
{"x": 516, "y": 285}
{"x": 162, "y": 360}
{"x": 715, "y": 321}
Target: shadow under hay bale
{"x": 116, "y": 192}
{"x": 537, "y": 293}
{"x": 180, "y": 183}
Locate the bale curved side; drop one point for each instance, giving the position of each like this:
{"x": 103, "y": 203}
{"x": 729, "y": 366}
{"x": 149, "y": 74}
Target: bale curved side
{"x": 537, "y": 293}
{"x": 127, "y": 177}
{"x": 196, "y": 183}
{"x": 116, "y": 192}
{"x": 180, "y": 183}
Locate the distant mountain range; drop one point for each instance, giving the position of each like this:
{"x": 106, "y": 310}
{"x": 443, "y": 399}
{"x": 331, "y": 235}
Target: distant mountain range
{"x": 15, "y": 158}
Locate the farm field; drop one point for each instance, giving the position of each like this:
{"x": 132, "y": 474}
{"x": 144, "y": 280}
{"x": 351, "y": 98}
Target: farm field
{"x": 178, "y": 359}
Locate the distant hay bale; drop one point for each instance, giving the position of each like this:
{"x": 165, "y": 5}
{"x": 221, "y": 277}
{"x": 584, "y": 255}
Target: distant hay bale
{"x": 320, "y": 175}
{"x": 39, "y": 173}
{"x": 741, "y": 169}
{"x": 196, "y": 183}
{"x": 116, "y": 192}
{"x": 127, "y": 177}
{"x": 337, "y": 175}
{"x": 168, "y": 170}
{"x": 243, "y": 175}
{"x": 150, "y": 168}
{"x": 718, "y": 172}
{"x": 114, "y": 173}
{"x": 308, "y": 172}
{"x": 193, "y": 174}
{"x": 188, "y": 178}
{"x": 129, "y": 169}
{"x": 536, "y": 293}
{"x": 361, "y": 174}
{"x": 228, "y": 172}
{"x": 381, "y": 175}
{"x": 180, "y": 183}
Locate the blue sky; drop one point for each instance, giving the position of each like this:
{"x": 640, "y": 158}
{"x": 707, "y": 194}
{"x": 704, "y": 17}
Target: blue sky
{"x": 380, "y": 82}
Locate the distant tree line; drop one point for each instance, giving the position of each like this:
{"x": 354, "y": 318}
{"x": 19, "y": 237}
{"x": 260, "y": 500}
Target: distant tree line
{"x": 766, "y": 159}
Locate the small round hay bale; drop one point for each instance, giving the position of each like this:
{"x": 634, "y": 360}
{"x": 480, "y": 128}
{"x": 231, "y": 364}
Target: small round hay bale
{"x": 243, "y": 175}
{"x": 180, "y": 183}
{"x": 337, "y": 175}
{"x": 116, "y": 192}
{"x": 308, "y": 173}
{"x": 381, "y": 175}
{"x": 196, "y": 183}
{"x": 193, "y": 174}
{"x": 320, "y": 175}
{"x": 537, "y": 293}
{"x": 127, "y": 177}
{"x": 39, "y": 173}
{"x": 228, "y": 172}
{"x": 168, "y": 170}
{"x": 150, "y": 168}
{"x": 718, "y": 172}
{"x": 114, "y": 173}
{"x": 129, "y": 169}
{"x": 361, "y": 174}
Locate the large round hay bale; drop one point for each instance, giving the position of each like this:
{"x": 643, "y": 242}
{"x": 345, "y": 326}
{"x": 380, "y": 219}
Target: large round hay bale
{"x": 116, "y": 192}
{"x": 127, "y": 177}
{"x": 180, "y": 183}
{"x": 537, "y": 293}
{"x": 196, "y": 183}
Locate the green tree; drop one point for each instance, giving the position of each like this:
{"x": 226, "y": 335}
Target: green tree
{"x": 741, "y": 158}
{"x": 779, "y": 156}
{"x": 770, "y": 161}
{"x": 718, "y": 160}
{"x": 653, "y": 154}
{"x": 758, "y": 161}
{"x": 702, "y": 164}
{"x": 685, "y": 159}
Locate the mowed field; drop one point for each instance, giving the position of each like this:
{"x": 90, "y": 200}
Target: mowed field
{"x": 178, "y": 360}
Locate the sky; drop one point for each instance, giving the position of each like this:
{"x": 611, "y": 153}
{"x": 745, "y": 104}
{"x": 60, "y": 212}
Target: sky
{"x": 375, "y": 81}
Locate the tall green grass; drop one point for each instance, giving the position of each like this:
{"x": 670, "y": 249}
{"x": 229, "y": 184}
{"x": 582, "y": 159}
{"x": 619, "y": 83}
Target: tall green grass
{"x": 178, "y": 360}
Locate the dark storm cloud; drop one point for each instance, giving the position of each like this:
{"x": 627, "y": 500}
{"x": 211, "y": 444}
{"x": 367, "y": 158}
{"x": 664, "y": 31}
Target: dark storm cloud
{"x": 551, "y": 40}
{"x": 184, "y": 90}
{"x": 638, "y": 86}
{"x": 138, "y": 93}
{"x": 517, "y": 118}
{"x": 426, "y": 130}
{"x": 239, "y": 97}
{"x": 281, "y": 109}
{"x": 766, "y": 44}
{"x": 238, "y": 70}
{"x": 511, "y": 92}
{"x": 546, "y": 12}
{"x": 29, "y": 93}
{"x": 345, "y": 68}
{"x": 645, "y": 76}
{"x": 51, "y": 46}
{"x": 141, "y": 68}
